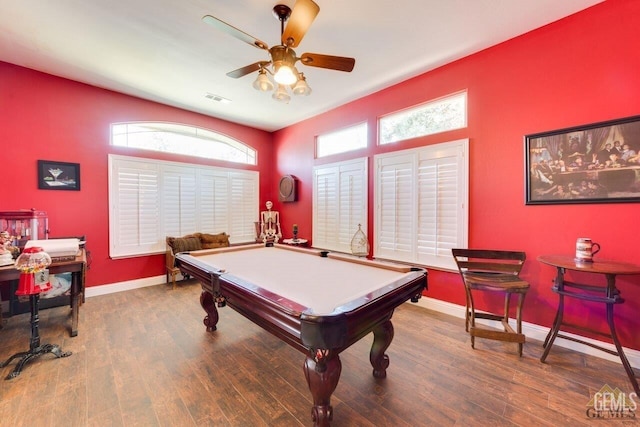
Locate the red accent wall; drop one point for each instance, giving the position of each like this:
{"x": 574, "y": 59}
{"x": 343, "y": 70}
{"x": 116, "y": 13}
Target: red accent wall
{"x": 50, "y": 118}
{"x": 579, "y": 70}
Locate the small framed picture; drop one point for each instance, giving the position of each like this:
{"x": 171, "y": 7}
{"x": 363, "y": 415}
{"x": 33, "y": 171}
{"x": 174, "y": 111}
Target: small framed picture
{"x": 53, "y": 175}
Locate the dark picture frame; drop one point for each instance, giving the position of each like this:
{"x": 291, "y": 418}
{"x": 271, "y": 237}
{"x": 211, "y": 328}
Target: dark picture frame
{"x": 54, "y": 175}
{"x": 582, "y": 164}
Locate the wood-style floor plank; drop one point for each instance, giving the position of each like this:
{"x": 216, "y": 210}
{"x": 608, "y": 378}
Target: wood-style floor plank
{"x": 144, "y": 358}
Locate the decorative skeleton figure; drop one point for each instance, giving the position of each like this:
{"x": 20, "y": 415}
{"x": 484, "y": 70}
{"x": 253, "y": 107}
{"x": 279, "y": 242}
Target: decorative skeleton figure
{"x": 270, "y": 225}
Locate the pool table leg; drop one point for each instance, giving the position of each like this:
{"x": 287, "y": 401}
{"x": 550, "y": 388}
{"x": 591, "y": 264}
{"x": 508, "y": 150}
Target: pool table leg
{"x": 208, "y": 303}
{"x": 322, "y": 370}
{"x": 382, "y": 337}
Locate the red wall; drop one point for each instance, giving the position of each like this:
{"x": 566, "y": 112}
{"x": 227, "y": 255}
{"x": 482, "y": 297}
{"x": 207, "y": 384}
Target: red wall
{"x": 580, "y": 70}
{"x": 45, "y": 117}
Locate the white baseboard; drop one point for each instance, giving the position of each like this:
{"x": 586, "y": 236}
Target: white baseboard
{"x": 94, "y": 291}
{"x": 531, "y": 330}
{"x": 539, "y": 333}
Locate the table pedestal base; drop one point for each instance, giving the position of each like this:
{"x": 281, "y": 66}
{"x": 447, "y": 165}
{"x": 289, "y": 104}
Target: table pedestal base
{"x": 609, "y": 295}
{"x": 32, "y": 354}
{"x": 35, "y": 349}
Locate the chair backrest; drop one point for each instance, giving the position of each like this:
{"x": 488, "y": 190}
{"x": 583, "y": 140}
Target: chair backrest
{"x": 489, "y": 261}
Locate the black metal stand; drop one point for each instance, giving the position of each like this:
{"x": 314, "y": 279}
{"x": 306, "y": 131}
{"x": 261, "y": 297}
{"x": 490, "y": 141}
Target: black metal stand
{"x": 35, "y": 349}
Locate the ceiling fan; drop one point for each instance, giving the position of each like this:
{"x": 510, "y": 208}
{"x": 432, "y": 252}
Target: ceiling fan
{"x": 282, "y": 57}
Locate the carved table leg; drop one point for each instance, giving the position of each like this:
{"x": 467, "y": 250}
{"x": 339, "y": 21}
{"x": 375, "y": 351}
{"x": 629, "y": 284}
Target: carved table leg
{"x": 382, "y": 337}
{"x": 211, "y": 319}
{"x": 322, "y": 369}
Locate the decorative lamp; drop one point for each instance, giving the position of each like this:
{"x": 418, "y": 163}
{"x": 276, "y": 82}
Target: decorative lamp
{"x": 262, "y": 82}
{"x": 281, "y": 94}
{"x": 32, "y": 261}
{"x": 359, "y": 243}
{"x": 284, "y": 74}
{"x": 301, "y": 87}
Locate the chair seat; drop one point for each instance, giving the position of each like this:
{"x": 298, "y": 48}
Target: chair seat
{"x": 499, "y": 282}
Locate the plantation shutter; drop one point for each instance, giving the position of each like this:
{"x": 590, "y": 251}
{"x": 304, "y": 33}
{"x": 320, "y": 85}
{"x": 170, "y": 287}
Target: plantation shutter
{"x": 395, "y": 208}
{"x": 135, "y": 207}
{"x": 179, "y": 201}
{"x": 152, "y": 199}
{"x": 422, "y": 207}
{"x": 339, "y": 203}
{"x": 439, "y": 207}
{"x": 325, "y": 207}
{"x": 352, "y": 202}
{"x": 213, "y": 201}
{"x": 243, "y": 191}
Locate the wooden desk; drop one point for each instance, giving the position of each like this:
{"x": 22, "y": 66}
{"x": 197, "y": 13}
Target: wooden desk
{"x": 608, "y": 295}
{"x": 76, "y": 267}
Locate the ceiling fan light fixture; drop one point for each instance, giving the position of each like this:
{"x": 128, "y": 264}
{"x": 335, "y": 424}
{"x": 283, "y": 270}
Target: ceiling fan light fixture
{"x": 284, "y": 75}
{"x": 262, "y": 82}
{"x": 301, "y": 87}
{"x": 281, "y": 94}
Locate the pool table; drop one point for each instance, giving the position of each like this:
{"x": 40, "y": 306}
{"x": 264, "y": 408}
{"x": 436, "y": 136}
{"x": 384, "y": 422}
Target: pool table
{"x": 318, "y": 302}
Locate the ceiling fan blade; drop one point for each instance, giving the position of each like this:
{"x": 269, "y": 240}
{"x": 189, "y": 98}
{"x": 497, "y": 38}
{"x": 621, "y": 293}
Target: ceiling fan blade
{"x": 339, "y": 63}
{"x": 248, "y": 69}
{"x": 233, "y": 31}
{"x": 302, "y": 15}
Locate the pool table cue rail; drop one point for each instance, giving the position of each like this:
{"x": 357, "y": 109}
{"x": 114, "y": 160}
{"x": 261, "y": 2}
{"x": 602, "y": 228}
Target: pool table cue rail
{"x": 401, "y": 268}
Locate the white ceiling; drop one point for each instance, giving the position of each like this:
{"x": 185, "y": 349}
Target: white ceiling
{"x": 162, "y": 51}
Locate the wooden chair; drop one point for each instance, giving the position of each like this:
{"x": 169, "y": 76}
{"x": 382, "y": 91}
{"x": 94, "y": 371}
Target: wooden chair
{"x": 492, "y": 271}
{"x": 172, "y": 270}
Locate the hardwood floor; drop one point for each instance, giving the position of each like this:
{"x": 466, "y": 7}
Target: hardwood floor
{"x": 143, "y": 358}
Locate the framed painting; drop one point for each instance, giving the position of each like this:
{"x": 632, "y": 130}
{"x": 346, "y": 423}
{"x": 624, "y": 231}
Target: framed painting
{"x": 596, "y": 163}
{"x": 54, "y": 175}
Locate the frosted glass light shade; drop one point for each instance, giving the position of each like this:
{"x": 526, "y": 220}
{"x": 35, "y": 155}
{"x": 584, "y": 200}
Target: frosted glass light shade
{"x": 262, "y": 82}
{"x": 281, "y": 94}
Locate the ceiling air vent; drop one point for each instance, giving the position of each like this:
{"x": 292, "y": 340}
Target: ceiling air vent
{"x": 217, "y": 98}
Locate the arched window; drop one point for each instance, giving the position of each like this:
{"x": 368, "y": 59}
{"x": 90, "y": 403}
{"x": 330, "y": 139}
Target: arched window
{"x": 181, "y": 139}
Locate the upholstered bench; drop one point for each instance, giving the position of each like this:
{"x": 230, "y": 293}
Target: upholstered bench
{"x": 188, "y": 243}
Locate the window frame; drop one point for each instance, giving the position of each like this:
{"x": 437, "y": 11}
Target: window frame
{"x": 354, "y": 127}
{"x": 189, "y": 133}
{"x": 407, "y": 113}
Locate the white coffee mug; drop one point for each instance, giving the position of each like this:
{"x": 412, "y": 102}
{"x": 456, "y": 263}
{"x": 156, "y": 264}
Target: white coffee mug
{"x": 586, "y": 249}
